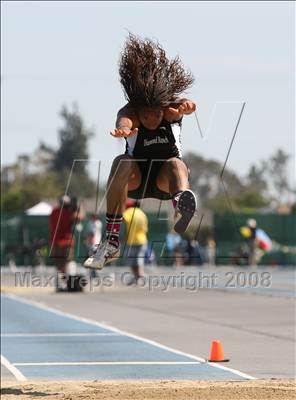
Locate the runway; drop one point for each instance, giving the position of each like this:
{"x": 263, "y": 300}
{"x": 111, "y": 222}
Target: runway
{"x": 42, "y": 343}
{"x": 136, "y": 333}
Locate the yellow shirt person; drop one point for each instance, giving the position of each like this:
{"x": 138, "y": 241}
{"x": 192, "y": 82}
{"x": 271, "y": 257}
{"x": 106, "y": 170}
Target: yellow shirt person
{"x": 137, "y": 226}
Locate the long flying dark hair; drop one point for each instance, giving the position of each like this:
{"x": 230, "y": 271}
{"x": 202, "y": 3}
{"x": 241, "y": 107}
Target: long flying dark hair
{"x": 148, "y": 77}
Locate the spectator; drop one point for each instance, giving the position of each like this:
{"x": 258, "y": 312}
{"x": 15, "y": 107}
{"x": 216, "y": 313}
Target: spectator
{"x": 173, "y": 247}
{"x": 93, "y": 238}
{"x": 180, "y": 252}
{"x": 252, "y": 242}
{"x": 211, "y": 251}
{"x": 150, "y": 257}
{"x": 61, "y": 237}
{"x": 194, "y": 252}
{"x": 136, "y": 228}
{"x": 93, "y": 233}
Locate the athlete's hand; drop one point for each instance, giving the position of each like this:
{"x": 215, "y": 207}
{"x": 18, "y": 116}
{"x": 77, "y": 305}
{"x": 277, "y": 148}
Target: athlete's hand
{"x": 124, "y": 132}
{"x": 175, "y": 114}
{"x": 187, "y": 107}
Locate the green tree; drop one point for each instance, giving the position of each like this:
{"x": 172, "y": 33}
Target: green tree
{"x": 73, "y": 138}
{"x": 70, "y": 160}
{"x": 12, "y": 201}
{"x": 205, "y": 178}
{"x": 33, "y": 189}
{"x": 232, "y": 193}
{"x": 44, "y": 156}
{"x": 278, "y": 171}
{"x": 256, "y": 178}
{"x": 250, "y": 200}
{"x": 47, "y": 172}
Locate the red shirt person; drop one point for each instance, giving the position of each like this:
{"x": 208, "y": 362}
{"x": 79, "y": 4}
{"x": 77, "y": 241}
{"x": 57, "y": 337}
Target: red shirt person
{"x": 61, "y": 238}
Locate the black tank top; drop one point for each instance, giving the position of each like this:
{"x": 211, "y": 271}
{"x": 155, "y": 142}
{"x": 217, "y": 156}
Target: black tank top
{"x": 161, "y": 143}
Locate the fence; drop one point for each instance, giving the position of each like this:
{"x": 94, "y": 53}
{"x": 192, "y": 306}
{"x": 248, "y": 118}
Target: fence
{"x": 24, "y": 238}
{"x": 280, "y": 228}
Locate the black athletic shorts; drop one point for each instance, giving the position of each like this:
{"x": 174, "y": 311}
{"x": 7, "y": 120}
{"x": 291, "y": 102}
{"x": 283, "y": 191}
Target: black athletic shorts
{"x": 148, "y": 188}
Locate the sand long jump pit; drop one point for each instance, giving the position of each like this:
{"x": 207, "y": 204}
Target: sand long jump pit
{"x": 154, "y": 390}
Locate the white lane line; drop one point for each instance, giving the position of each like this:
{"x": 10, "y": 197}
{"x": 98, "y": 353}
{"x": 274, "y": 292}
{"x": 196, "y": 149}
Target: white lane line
{"x": 63, "y": 334}
{"x": 49, "y": 364}
{"x": 15, "y": 372}
{"x": 111, "y": 328}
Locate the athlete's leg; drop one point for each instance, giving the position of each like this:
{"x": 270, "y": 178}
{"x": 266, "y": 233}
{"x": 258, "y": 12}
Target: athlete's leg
{"x": 136, "y": 260}
{"x": 124, "y": 175}
{"x": 173, "y": 176}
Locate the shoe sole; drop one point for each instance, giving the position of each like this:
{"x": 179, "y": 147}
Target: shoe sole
{"x": 187, "y": 205}
{"x": 114, "y": 257}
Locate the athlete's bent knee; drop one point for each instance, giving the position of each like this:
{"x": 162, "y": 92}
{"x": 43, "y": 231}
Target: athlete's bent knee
{"x": 122, "y": 166}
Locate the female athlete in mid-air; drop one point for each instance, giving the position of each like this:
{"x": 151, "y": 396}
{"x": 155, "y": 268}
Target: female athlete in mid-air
{"x": 150, "y": 122}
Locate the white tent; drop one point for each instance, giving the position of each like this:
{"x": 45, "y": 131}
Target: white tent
{"x": 41, "y": 208}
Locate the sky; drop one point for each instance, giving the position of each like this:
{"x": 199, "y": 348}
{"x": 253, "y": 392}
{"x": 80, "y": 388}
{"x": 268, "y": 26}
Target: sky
{"x": 55, "y": 53}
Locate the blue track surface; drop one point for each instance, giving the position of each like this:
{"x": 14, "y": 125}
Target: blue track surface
{"x": 46, "y": 344}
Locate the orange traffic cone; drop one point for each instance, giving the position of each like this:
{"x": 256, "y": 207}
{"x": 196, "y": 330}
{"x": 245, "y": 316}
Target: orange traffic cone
{"x": 217, "y": 353}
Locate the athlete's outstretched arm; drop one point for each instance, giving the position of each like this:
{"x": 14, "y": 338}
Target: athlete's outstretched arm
{"x": 177, "y": 110}
{"x": 126, "y": 123}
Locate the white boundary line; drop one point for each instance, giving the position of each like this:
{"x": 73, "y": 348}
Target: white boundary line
{"x": 111, "y": 328}
{"x": 63, "y": 334}
{"x": 41, "y": 364}
{"x": 15, "y": 372}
